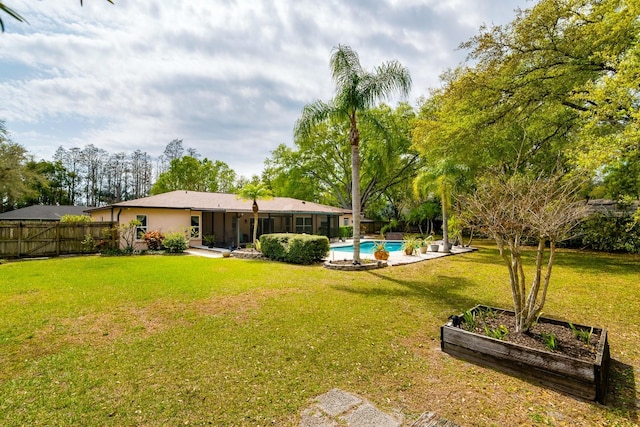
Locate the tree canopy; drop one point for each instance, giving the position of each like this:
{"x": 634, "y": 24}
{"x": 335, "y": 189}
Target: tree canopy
{"x": 16, "y": 179}
{"x": 189, "y": 173}
{"x": 319, "y": 169}
{"x": 556, "y": 88}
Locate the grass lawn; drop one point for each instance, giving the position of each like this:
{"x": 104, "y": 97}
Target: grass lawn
{"x": 175, "y": 340}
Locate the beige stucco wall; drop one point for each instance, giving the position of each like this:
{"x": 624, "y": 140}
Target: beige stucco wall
{"x": 164, "y": 220}
{"x": 348, "y": 217}
{"x": 223, "y": 225}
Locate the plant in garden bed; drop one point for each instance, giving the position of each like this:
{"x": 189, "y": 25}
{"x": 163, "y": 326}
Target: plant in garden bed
{"x": 582, "y": 334}
{"x": 514, "y": 209}
{"x": 175, "y": 243}
{"x": 550, "y": 341}
{"x": 154, "y": 240}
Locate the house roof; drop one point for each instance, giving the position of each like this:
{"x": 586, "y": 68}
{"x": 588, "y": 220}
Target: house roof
{"x": 224, "y": 202}
{"x": 42, "y": 213}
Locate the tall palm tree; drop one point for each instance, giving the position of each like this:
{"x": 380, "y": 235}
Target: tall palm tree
{"x": 255, "y": 192}
{"x": 357, "y": 90}
{"x": 441, "y": 179}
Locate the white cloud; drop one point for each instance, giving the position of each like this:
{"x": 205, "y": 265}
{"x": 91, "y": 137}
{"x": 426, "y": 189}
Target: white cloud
{"x": 228, "y": 77}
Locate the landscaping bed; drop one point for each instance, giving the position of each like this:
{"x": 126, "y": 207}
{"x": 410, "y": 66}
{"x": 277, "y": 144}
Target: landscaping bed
{"x": 570, "y": 358}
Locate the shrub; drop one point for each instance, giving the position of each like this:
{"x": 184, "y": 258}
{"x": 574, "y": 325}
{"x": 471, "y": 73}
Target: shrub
{"x": 294, "y": 248}
{"x": 175, "y": 243}
{"x": 88, "y": 243}
{"x": 75, "y": 219}
{"x": 611, "y": 233}
{"x": 154, "y": 239}
{"x": 346, "y": 231}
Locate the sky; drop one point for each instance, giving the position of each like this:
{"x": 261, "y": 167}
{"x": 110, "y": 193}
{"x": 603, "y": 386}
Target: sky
{"x": 227, "y": 77}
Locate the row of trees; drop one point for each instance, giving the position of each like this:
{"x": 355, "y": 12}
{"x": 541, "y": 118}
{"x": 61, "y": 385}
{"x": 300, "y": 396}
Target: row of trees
{"x": 91, "y": 176}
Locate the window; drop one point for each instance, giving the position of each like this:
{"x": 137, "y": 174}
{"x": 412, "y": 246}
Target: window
{"x": 141, "y": 229}
{"x": 346, "y": 222}
{"x": 303, "y": 225}
{"x": 195, "y": 226}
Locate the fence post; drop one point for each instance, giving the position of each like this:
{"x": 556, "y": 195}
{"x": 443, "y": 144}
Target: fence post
{"x": 19, "y": 239}
{"x": 58, "y": 239}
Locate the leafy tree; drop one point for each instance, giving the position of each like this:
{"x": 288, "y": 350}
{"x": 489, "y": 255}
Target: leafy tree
{"x": 622, "y": 178}
{"x": 255, "y": 192}
{"x": 356, "y": 91}
{"x": 557, "y": 87}
{"x": 318, "y": 168}
{"x": 288, "y": 175}
{"x": 49, "y": 188}
{"x": 189, "y": 173}
{"x": 16, "y": 179}
{"x": 443, "y": 179}
{"x": 514, "y": 209}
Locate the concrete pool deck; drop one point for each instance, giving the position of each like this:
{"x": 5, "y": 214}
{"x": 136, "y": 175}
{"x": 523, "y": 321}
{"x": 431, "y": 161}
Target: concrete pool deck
{"x": 396, "y": 257}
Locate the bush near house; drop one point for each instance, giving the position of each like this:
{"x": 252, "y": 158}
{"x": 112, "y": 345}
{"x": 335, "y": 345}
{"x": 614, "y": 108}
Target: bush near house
{"x": 175, "y": 243}
{"x": 346, "y": 231}
{"x": 294, "y": 248}
{"x": 154, "y": 239}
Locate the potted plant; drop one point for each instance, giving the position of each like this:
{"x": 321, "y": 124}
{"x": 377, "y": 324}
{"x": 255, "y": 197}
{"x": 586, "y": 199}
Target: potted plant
{"x": 410, "y": 244}
{"x": 209, "y": 239}
{"x": 424, "y": 243}
{"x": 380, "y": 251}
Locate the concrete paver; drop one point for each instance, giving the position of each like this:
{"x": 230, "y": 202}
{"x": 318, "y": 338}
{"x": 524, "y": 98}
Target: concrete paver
{"x": 369, "y": 416}
{"x": 338, "y": 408}
{"x": 335, "y": 402}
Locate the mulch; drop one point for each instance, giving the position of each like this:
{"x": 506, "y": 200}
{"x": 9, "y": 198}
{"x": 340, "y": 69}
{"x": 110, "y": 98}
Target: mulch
{"x": 568, "y": 344}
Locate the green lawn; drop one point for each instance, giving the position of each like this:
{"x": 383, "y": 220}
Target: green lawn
{"x": 175, "y": 340}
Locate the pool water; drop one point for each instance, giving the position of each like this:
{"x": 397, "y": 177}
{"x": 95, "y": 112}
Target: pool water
{"x": 367, "y": 247}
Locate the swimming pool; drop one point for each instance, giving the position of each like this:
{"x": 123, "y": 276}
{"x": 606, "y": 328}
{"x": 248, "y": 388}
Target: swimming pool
{"x": 368, "y": 246}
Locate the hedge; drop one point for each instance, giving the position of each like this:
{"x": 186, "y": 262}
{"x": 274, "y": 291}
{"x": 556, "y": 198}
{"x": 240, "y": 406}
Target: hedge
{"x": 294, "y": 248}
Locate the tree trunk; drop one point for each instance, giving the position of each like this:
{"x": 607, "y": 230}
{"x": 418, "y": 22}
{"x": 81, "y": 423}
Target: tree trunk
{"x": 355, "y": 201}
{"x": 255, "y": 221}
{"x": 445, "y": 223}
{"x": 354, "y": 140}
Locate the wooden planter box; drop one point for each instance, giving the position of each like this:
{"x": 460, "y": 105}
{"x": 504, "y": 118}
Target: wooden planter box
{"x": 567, "y": 374}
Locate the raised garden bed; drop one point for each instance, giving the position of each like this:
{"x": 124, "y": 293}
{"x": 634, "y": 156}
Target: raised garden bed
{"x": 574, "y": 367}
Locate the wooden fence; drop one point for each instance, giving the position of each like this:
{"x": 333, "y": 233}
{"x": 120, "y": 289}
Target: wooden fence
{"x": 35, "y": 239}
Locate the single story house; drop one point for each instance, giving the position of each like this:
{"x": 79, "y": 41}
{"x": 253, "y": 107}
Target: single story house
{"x": 226, "y": 216}
{"x": 42, "y": 213}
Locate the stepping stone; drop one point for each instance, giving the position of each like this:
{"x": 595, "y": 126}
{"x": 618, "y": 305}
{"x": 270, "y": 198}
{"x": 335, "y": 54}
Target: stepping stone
{"x": 368, "y": 416}
{"x": 315, "y": 418}
{"x": 335, "y": 402}
{"x": 429, "y": 419}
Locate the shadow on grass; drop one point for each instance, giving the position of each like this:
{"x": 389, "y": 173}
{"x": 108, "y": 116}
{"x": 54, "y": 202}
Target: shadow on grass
{"x": 592, "y": 261}
{"x": 621, "y": 393}
{"x": 444, "y": 290}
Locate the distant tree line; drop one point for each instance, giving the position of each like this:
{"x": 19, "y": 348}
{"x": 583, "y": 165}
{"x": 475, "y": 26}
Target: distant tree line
{"x": 91, "y": 176}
